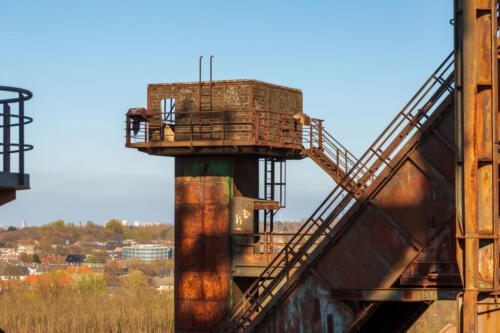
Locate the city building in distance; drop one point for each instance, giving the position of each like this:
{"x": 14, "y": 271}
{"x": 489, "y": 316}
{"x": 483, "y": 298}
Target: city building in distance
{"x": 147, "y": 252}
{"x": 145, "y": 224}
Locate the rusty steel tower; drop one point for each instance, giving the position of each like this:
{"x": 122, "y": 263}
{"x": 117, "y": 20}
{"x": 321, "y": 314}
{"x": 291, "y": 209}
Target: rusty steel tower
{"x": 218, "y": 131}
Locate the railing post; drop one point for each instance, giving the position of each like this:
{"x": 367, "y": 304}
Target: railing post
{"x": 320, "y": 134}
{"x": 311, "y": 135}
{"x": 337, "y": 162}
{"x": 266, "y": 248}
{"x": 6, "y": 137}
{"x": 21, "y": 138}
{"x": 346, "y": 169}
{"x": 286, "y": 263}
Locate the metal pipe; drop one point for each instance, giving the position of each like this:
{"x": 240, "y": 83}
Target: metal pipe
{"x": 201, "y": 57}
{"x": 211, "y": 68}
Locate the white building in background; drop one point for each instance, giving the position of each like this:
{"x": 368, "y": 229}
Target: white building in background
{"x": 147, "y": 252}
{"x": 145, "y": 224}
{"x": 25, "y": 224}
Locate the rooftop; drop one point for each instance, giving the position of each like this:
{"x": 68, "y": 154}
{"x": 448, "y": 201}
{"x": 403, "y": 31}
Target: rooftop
{"x": 144, "y": 246}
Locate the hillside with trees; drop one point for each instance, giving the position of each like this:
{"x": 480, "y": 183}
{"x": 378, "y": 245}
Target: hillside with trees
{"x": 61, "y": 233}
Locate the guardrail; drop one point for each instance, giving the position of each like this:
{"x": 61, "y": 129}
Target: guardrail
{"x": 9, "y": 106}
{"x": 216, "y": 127}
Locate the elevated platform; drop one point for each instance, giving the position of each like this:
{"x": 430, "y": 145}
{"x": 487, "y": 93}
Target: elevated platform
{"x": 13, "y": 117}
{"x": 232, "y": 117}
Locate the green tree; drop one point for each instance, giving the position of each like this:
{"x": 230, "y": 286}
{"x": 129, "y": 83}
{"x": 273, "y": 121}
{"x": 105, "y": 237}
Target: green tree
{"x": 142, "y": 236}
{"x": 135, "y": 280}
{"x": 36, "y": 259}
{"x": 90, "y": 283}
{"x": 58, "y": 225}
{"x": 115, "y": 227}
{"x": 127, "y": 235}
{"x": 11, "y": 228}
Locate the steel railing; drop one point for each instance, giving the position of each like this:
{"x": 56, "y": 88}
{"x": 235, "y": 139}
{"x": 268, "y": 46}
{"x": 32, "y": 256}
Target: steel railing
{"x": 8, "y": 113}
{"x": 217, "y": 127}
{"x": 323, "y": 148}
{"x": 242, "y": 128}
{"x": 378, "y": 157}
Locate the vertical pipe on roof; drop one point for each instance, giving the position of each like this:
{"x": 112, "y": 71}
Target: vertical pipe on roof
{"x": 211, "y": 57}
{"x": 201, "y": 57}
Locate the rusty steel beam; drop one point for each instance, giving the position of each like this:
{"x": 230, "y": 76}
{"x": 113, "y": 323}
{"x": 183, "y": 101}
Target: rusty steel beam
{"x": 266, "y": 204}
{"x": 476, "y": 89}
{"x": 395, "y": 294}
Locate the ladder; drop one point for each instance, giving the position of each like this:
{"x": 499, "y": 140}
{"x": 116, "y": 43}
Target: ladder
{"x": 274, "y": 188}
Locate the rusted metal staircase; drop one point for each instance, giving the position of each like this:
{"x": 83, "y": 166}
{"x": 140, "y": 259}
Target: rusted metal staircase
{"x": 327, "y": 152}
{"x": 356, "y": 182}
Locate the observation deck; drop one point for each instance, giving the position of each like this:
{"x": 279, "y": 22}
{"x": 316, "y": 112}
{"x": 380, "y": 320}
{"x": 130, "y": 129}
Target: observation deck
{"x": 230, "y": 117}
{"x": 13, "y": 120}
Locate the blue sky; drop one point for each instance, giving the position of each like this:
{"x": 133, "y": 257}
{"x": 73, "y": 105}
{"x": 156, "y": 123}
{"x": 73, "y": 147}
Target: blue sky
{"x": 87, "y": 62}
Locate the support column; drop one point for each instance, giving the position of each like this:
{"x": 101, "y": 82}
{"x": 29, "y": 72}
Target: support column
{"x": 476, "y": 153}
{"x": 204, "y": 187}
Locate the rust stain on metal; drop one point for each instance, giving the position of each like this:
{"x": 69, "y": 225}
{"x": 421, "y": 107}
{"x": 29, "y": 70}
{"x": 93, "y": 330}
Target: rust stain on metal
{"x": 202, "y": 273}
{"x": 216, "y": 116}
{"x": 477, "y": 159}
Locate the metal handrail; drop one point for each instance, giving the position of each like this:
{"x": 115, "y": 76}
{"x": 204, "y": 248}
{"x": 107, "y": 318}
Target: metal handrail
{"x": 321, "y": 143}
{"x": 369, "y": 166}
{"x": 262, "y": 127}
{"x": 22, "y": 96}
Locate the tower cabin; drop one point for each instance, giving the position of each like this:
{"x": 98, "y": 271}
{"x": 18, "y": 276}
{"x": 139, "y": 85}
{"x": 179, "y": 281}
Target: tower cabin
{"x": 230, "y": 117}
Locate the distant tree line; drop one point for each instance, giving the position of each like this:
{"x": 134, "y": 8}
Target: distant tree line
{"x": 58, "y": 233}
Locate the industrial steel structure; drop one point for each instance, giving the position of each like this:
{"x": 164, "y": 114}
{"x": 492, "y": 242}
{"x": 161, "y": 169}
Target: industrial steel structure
{"x": 13, "y": 118}
{"x": 408, "y": 239}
